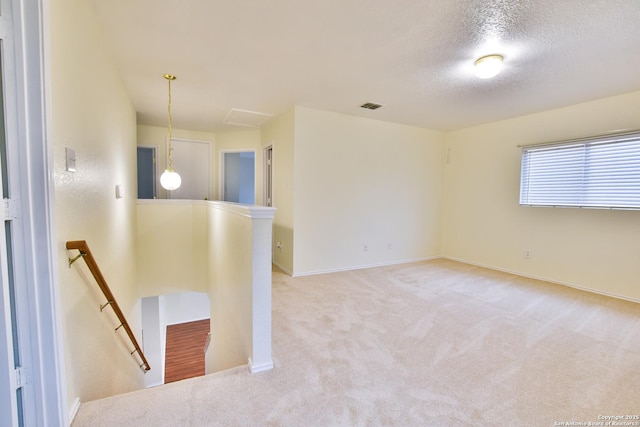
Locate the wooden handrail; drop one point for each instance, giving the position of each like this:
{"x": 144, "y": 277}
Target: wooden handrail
{"x": 85, "y": 253}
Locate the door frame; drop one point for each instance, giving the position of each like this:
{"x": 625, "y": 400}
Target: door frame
{"x": 255, "y": 175}
{"x": 30, "y": 169}
{"x": 267, "y": 178}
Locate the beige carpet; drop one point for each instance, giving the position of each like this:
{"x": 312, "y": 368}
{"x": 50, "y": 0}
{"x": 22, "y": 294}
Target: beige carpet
{"x": 436, "y": 343}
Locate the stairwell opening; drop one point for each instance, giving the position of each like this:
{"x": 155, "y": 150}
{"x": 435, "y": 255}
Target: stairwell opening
{"x": 172, "y": 326}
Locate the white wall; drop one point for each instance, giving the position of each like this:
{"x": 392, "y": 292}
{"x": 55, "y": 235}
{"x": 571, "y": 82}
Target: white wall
{"x": 185, "y": 307}
{"x": 364, "y": 182}
{"x": 91, "y": 113}
{"x": 229, "y": 290}
{"x": 153, "y": 341}
{"x": 484, "y": 224}
{"x": 279, "y": 133}
{"x": 172, "y": 245}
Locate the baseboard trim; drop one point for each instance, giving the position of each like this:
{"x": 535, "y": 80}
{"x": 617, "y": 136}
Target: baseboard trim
{"x": 152, "y": 385}
{"x": 73, "y": 411}
{"x": 544, "y": 279}
{"x": 365, "y": 266}
{"x": 254, "y": 369}
{"x": 285, "y": 270}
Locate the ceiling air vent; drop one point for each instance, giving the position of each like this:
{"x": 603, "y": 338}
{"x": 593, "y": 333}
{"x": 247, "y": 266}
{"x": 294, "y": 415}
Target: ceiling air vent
{"x": 371, "y": 105}
{"x": 247, "y": 118}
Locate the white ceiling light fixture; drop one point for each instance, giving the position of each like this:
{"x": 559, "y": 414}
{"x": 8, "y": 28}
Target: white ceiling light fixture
{"x": 170, "y": 179}
{"x": 488, "y": 66}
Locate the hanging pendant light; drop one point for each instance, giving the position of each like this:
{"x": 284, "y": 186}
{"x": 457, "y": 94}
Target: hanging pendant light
{"x": 170, "y": 179}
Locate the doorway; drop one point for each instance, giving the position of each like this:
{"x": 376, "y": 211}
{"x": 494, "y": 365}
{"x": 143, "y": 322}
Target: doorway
{"x": 238, "y": 180}
{"x": 268, "y": 176}
{"x": 147, "y": 173}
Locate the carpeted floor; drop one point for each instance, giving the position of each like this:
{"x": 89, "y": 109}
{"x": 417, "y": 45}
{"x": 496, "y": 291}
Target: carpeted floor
{"x": 436, "y": 343}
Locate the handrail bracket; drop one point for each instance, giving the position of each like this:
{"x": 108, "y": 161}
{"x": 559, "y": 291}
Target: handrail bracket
{"x": 103, "y": 306}
{"x": 75, "y": 258}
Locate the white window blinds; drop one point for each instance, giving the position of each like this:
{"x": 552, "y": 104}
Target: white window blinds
{"x": 600, "y": 172}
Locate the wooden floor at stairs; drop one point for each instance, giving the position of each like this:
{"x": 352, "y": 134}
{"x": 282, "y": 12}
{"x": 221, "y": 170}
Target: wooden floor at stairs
{"x": 184, "y": 357}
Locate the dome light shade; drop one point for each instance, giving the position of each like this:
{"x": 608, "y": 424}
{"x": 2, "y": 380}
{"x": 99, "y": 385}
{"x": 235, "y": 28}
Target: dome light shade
{"x": 170, "y": 180}
{"x": 488, "y": 66}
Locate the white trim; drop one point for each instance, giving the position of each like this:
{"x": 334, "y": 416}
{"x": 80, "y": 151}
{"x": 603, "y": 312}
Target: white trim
{"x": 284, "y": 270}
{"x": 362, "y": 267}
{"x": 207, "y": 342}
{"x": 262, "y": 212}
{"x": 544, "y": 279}
{"x": 254, "y": 369}
{"x": 36, "y": 193}
{"x": 152, "y": 385}
{"x": 248, "y": 211}
{"x": 267, "y": 175}
{"x": 604, "y": 136}
{"x": 170, "y": 202}
{"x": 181, "y": 139}
{"x": 73, "y": 411}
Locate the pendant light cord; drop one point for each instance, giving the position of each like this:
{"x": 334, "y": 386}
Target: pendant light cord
{"x": 169, "y": 115}
{"x": 170, "y": 179}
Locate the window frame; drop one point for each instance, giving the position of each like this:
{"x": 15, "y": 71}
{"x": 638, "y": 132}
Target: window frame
{"x": 599, "y": 172}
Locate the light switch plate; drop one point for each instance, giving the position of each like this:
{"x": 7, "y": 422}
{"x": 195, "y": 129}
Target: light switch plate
{"x": 119, "y": 191}
{"x": 71, "y": 159}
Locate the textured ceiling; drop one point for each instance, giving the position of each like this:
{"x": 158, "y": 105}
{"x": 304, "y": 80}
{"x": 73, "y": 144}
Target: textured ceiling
{"x": 413, "y": 56}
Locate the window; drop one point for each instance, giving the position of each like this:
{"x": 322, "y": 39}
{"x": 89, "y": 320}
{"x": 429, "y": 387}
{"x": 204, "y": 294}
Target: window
{"x": 599, "y": 172}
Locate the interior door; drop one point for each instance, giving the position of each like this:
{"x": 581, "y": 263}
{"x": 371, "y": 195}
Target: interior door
{"x": 192, "y": 160}
{"x": 238, "y": 177}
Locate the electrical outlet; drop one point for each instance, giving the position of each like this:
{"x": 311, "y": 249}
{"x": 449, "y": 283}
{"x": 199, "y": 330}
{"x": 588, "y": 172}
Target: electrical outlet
{"x": 528, "y": 254}
{"x": 389, "y": 245}
{"x": 279, "y": 245}
{"x": 365, "y": 247}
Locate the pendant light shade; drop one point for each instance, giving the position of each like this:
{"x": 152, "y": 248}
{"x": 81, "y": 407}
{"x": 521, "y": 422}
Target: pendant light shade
{"x": 170, "y": 179}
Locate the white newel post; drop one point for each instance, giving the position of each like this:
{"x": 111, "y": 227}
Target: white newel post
{"x": 260, "y": 359}
{"x": 240, "y": 286}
